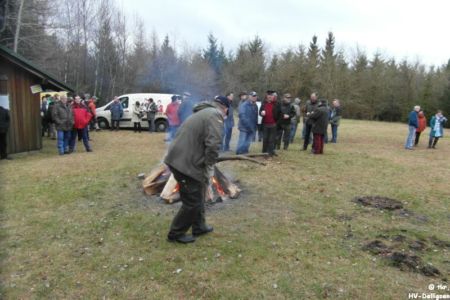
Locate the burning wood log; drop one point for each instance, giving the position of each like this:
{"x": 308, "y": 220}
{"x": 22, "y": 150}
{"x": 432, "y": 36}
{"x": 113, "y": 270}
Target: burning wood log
{"x": 228, "y": 188}
{"x": 156, "y": 180}
{"x": 162, "y": 181}
{"x": 170, "y": 192}
{"x": 239, "y": 157}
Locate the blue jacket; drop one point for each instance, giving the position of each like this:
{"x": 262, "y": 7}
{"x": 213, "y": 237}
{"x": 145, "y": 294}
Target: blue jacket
{"x": 229, "y": 121}
{"x": 185, "y": 110}
{"x": 413, "y": 119}
{"x": 116, "y": 111}
{"x": 248, "y": 116}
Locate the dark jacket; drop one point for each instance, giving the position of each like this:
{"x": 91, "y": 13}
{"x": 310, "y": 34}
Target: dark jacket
{"x": 310, "y": 107}
{"x": 185, "y": 110}
{"x": 151, "y": 110}
{"x": 229, "y": 121}
{"x": 285, "y": 109}
{"x": 413, "y": 119}
{"x": 4, "y": 120}
{"x": 62, "y": 116}
{"x": 319, "y": 119}
{"x": 49, "y": 112}
{"x": 196, "y": 145}
{"x": 248, "y": 116}
{"x": 116, "y": 110}
{"x": 335, "y": 117}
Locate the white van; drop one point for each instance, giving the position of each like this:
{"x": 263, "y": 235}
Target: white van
{"x": 127, "y": 101}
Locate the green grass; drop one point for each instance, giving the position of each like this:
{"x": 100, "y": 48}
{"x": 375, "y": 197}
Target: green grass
{"x": 79, "y": 226}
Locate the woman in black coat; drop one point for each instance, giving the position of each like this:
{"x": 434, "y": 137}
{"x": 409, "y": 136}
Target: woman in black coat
{"x": 319, "y": 118}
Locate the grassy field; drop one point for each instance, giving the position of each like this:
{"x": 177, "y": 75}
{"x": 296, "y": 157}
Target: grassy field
{"x": 79, "y": 226}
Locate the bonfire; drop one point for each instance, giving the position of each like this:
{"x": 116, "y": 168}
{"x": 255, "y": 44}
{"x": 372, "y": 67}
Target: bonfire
{"x": 161, "y": 181}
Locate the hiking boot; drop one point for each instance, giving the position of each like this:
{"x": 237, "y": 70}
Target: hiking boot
{"x": 205, "y": 230}
{"x": 184, "y": 239}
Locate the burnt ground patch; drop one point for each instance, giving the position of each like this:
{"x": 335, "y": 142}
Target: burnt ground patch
{"x": 379, "y": 202}
{"x": 406, "y": 252}
{"x": 394, "y": 206}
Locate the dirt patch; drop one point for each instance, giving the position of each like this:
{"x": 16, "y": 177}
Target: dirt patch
{"x": 379, "y": 202}
{"x": 377, "y": 247}
{"x": 439, "y": 243}
{"x": 389, "y": 204}
{"x": 404, "y": 252}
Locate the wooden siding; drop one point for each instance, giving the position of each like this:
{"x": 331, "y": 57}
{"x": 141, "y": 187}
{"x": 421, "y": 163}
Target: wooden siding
{"x": 25, "y": 130}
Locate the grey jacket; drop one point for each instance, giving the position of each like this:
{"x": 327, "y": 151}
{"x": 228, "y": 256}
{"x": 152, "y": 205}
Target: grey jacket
{"x": 310, "y": 107}
{"x": 196, "y": 146}
{"x": 335, "y": 117}
{"x": 62, "y": 116}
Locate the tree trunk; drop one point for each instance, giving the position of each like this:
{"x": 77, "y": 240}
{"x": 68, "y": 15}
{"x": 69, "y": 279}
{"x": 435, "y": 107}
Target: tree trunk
{"x": 18, "y": 25}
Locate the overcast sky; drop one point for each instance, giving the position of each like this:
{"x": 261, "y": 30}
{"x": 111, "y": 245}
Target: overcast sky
{"x": 395, "y": 28}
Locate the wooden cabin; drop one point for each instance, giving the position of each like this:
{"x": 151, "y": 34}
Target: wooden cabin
{"x": 20, "y": 84}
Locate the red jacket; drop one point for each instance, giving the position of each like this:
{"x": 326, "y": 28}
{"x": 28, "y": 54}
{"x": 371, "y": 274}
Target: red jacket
{"x": 422, "y": 122}
{"x": 81, "y": 116}
{"x": 92, "y": 107}
{"x": 172, "y": 113}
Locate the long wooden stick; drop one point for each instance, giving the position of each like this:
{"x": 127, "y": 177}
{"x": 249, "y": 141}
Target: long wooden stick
{"x": 239, "y": 157}
{"x": 256, "y": 154}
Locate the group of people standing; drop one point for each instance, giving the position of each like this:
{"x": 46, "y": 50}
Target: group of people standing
{"x": 276, "y": 122}
{"x": 417, "y": 123}
{"x": 71, "y": 118}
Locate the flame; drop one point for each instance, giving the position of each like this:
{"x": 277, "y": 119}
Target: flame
{"x": 217, "y": 186}
{"x": 176, "y": 189}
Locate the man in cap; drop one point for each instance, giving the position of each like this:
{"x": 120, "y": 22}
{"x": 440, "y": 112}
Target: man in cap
{"x": 248, "y": 119}
{"x": 191, "y": 157}
{"x": 287, "y": 112}
{"x": 151, "y": 109}
{"x": 270, "y": 116}
{"x": 186, "y": 106}
{"x": 311, "y": 105}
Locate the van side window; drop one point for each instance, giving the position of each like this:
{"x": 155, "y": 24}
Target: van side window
{"x": 124, "y": 102}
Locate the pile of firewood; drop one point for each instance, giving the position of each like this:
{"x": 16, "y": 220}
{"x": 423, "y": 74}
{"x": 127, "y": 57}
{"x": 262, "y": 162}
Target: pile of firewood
{"x": 161, "y": 181}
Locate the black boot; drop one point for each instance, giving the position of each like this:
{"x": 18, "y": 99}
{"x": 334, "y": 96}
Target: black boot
{"x": 435, "y": 142}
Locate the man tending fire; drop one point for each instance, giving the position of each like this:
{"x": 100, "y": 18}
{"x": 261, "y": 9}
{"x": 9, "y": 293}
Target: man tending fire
{"x": 191, "y": 158}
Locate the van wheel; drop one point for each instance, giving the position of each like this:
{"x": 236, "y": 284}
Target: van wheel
{"x": 161, "y": 125}
{"x": 103, "y": 123}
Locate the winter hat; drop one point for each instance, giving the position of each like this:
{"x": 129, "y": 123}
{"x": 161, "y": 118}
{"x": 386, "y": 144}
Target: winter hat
{"x": 223, "y": 101}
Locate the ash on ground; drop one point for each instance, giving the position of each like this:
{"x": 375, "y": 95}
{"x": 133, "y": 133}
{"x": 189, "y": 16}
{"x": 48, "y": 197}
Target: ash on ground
{"x": 405, "y": 252}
